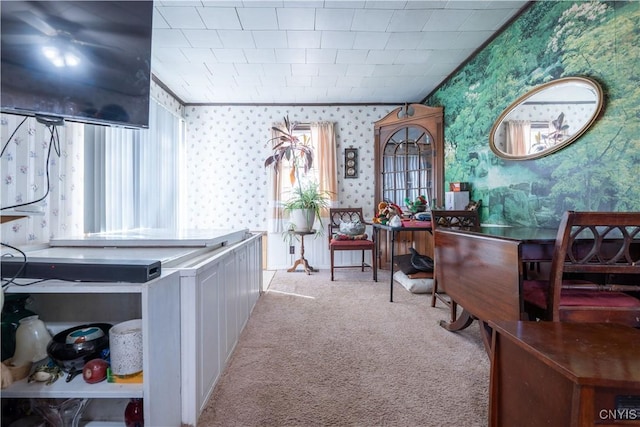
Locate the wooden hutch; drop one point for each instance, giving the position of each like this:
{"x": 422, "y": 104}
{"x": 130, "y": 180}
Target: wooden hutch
{"x": 409, "y": 161}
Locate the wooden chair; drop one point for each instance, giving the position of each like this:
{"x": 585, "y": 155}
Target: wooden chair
{"x": 595, "y": 271}
{"x": 460, "y": 219}
{"x": 338, "y": 216}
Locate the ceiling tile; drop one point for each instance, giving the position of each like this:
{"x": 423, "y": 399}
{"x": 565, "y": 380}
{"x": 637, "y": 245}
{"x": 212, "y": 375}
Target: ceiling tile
{"x": 381, "y": 56}
{"x": 304, "y": 69}
{"x": 235, "y": 39}
{"x": 259, "y": 18}
{"x": 200, "y": 54}
{"x": 249, "y": 69}
{"x": 304, "y": 39}
{"x": 408, "y": 40}
{"x": 370, "y": 40}
{"x": 334, "y": 19}
{"x": 220, "y": 18}
{"x": 181, "y": 17}
{"x": 321, "y": 56}
{"x": 230, "y": 55}
{"x": 270, "y": 39}
{"x": 446, "y": 20}
{"x": 292, "y": 56}
{"x": 346, "y": 56}
{"x": 276, "y": 70}
{"x": 260, "y": 56}
{"x": 337, "y": 39}
{"x": 368, "y": 20}
{"x": 169, "y": 38}
{"x": 408, "y": 20}
{"x": 296, "y": 19}
{"x": 333, "y": 69}
{"x": 203, "y": 38}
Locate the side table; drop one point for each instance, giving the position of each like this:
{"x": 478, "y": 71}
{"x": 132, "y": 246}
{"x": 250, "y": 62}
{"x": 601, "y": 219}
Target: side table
{"x": 302, "y": 260}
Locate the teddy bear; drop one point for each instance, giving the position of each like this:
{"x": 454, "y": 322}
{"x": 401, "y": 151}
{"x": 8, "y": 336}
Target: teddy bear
{"x": 386, "y": 211}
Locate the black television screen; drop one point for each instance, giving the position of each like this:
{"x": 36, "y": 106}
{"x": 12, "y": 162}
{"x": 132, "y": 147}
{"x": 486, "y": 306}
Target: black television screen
{"x": 84, "y": 61}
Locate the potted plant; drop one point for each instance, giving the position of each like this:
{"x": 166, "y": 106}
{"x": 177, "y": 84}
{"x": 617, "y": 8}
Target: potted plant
{"x": 306, "y": 201}
{"x": 305, "y": 205}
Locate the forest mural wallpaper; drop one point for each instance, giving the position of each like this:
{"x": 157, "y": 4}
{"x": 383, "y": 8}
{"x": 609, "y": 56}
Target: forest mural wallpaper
{"x": 550, "y": 40}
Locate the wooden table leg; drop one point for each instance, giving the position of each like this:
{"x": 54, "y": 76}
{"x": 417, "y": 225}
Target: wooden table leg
{"x": 462, "y": 322}
{"x": 302, "y": 260}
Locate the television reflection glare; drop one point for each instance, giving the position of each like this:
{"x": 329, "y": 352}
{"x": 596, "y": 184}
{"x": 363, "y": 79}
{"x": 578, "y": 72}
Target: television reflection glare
{"x": 84, "y": 61}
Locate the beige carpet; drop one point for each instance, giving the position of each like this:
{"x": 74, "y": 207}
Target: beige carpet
{"x": 322, "y": 353}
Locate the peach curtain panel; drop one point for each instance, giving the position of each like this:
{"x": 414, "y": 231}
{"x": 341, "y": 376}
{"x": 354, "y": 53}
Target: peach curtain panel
{"x": 518, "y": 134}
{"x": 324, "y": 139}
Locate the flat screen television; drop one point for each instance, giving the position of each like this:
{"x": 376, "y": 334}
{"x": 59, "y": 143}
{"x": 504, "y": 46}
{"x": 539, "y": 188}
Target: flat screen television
{"x": 84, "y": 61}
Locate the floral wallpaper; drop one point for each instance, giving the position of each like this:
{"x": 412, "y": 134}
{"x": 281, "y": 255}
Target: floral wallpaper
{"x": 24, "y": 178}
{"x": 24, "y": 173}
{"x": 226, "y": 148}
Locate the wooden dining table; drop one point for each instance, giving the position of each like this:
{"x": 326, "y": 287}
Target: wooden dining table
{"x": 482, "y": 271}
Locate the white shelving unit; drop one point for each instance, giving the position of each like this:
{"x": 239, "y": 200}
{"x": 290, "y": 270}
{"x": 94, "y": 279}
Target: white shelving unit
{"x": 192, "y": 319}
{"x": 157, "y": 302}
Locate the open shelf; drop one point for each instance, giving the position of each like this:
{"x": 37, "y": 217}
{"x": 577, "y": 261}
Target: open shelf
{"x": 76, "y": 387}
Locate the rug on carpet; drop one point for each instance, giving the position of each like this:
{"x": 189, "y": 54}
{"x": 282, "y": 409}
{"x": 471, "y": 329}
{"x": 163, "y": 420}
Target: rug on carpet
{"x": 322, "y": 353}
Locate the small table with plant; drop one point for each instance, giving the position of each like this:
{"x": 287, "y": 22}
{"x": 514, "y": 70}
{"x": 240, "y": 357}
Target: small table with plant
{"x": 302, "y": 260}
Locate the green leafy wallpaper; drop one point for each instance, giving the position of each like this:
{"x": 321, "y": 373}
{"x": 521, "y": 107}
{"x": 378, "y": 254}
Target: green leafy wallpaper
{"x": 598, "y": 172}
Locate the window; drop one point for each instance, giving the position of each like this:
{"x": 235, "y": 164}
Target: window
{"x": 134, "y": 179}
{"x": 407, "y": 168}
{"x": 312, "y": 176}
{"x": 324, "y": 172}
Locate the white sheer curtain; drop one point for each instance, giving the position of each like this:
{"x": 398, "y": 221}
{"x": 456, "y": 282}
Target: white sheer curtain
{"x": 132, "y": 176}
{"x": 405, "y": 175}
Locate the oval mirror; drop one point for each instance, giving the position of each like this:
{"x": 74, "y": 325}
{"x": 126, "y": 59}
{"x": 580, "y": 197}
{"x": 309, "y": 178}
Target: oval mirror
{"x": 546, "y": 119}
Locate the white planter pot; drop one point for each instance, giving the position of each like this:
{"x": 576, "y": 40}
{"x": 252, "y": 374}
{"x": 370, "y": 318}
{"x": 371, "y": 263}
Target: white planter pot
{"x": 302, "y": 219}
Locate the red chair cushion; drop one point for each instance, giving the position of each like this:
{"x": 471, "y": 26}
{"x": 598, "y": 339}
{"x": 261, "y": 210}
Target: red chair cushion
{"x": 535, "y": 292}
{"x": 350, "y": 244}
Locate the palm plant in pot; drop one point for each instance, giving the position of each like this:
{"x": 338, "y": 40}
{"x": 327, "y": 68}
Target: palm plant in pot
{"x": 307, "y": 200}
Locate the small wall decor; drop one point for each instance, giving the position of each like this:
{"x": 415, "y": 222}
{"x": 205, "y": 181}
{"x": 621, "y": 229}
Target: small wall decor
{"x": 350, "y": 162}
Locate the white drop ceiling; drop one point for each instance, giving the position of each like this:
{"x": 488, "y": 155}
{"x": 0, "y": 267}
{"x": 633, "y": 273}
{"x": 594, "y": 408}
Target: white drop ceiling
{"x": 317, "y": 52}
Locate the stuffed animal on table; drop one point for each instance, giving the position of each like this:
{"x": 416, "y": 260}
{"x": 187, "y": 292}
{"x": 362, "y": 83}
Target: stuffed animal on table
{"x": 386, "y": 211}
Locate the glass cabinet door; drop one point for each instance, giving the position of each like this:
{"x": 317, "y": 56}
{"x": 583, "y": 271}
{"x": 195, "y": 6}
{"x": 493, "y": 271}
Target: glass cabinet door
{"x": 407, "y": 169}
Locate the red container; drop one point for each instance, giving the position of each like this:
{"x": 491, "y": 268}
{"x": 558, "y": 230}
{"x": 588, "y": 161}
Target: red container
{"x": 133, "y": 416}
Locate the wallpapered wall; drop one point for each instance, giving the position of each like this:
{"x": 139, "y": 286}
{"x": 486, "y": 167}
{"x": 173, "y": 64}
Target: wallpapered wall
{"x": 227, "y": 146}
{"x": 23, "y": 170}
{"x": 550, "y": 40}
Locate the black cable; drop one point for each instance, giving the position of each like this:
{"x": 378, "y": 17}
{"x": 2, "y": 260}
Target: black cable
{"x": 54, "y": 143}
{"x": 24, "y": 264}
{"x": 10, "y": 137}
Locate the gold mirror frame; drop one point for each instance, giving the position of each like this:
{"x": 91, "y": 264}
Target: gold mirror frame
{"x": 550, "y": 133}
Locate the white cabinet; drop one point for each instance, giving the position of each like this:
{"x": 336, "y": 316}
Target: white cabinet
{"x": 218, "y": 294}
{"x": 157, "y": 302}
{"x": 192, "y": 318}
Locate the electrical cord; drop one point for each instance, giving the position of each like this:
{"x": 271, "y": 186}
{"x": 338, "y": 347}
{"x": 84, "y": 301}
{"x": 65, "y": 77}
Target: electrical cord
{"x": 54, "y": 144}
{"x": 24, "y": 264}
{"x": 10, "y": 137}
